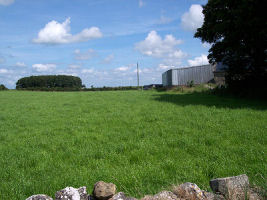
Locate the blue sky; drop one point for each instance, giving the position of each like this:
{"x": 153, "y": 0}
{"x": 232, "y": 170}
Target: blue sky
{"x": 99, "y": 40}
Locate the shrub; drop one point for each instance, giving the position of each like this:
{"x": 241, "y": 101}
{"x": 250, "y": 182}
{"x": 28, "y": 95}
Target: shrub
{"x": 190, "y": 83}
{"x": 3, "y": 87}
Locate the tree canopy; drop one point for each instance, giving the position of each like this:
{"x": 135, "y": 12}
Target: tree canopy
{"x": 3, "y": 87}
{"x": 237, "y": 32}
{"x": 49, "y": 81}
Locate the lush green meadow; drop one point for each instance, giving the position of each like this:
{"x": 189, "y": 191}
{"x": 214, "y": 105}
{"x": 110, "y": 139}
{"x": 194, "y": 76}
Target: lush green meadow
{"x": 143, "y": 141}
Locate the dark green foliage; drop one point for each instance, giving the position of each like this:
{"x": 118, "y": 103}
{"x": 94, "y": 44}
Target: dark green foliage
{"x": 50, "y": 83}
{"x": 3, "y": 87}
{"x": 190, "y": 83}
{"x": 237, "y": 31}
{"x": 110, "y": 88}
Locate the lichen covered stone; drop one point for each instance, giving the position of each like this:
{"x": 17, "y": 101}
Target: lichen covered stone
{"x": 189, "y": 191}
{"x": 104, "y": 191}
{"x": 39, "y": 197}
{"x": 70, "y": 193}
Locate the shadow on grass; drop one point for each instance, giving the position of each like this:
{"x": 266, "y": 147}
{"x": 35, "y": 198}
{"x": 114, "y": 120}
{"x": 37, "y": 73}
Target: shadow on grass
{"x": 209, "y": 99}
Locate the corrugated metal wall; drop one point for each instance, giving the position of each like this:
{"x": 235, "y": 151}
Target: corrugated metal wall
{"x": 181, "y": 76}
{"x": 167, "y": 78}
{"x": 164, "y": 79}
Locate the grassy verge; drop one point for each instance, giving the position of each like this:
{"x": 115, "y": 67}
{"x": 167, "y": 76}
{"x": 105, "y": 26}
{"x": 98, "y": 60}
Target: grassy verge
{"x": 143, "y": 141}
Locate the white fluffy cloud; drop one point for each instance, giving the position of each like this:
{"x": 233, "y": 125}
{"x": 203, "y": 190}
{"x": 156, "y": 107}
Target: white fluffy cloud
{"x": 90, "y": 71}
{"x": 9, "y": 77}
{"x": 20, "y": 64}
{"x": 90, "y": 53}
{"x": 174, "y": 58}
{"x": 193, "y": 19}
{"x": 6, "y": 2}
{"x": 123, "y": 68}
{"x": 59, "y": 33}
{"x": 165, "y": 49}
{"x": 3, "y": 71}
{"x": 155, "y": 46}
{"x": 206, "y": 45}
{"x": 74, "y": 66}
{"x": 201, "y": 60}
{"x": 163, "y": 67}
{"x": 44, "y": 67}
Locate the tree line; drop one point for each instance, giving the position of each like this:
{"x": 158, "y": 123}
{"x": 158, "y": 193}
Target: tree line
{"x": 50, "y": 82}
{"x": 3, "y": 87}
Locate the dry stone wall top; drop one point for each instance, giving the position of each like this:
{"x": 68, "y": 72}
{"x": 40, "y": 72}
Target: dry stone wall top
{"x": 229, "y": 188}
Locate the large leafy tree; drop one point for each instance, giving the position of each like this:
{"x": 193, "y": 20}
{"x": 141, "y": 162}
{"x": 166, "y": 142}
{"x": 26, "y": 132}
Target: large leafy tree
{"x": 237, "y": 31}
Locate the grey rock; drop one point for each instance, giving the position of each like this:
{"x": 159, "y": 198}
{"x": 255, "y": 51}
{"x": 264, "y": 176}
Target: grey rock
{"x": 121, "y": 196}
{"x": 39, "y": 197}
{"x": 104, "y": 191}
{"x": 189, "y": 191}
{"x": 91, "y": 197}
{"x": 255, "y": 194}
{"x": 147, "y": 197}
{"x": 211, "y": 196}
{"x": 234, "y": 188}
{"x": 164, "y": 195}
{"x": 70, "y": 193}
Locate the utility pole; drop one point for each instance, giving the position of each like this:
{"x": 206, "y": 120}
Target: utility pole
{"x": 137, "y": 76}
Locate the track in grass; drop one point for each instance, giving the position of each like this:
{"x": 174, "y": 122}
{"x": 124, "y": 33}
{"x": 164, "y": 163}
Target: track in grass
{"x": 143, "y": 141}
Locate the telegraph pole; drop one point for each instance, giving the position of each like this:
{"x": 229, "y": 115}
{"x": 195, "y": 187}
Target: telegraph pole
{"x": 137, "y": 76}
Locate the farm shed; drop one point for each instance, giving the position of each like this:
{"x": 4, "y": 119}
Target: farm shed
{"x": 182, "y": 76}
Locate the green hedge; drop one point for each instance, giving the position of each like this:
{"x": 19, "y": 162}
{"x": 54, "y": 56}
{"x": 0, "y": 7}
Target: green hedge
{"x": 111, "y": 88}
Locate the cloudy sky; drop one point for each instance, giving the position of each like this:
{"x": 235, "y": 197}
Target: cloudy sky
{"x": 99, "y": 40}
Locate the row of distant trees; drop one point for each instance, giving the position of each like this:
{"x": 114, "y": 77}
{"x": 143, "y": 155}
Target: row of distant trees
{"x": 60, "y": 83}
{"x": 50, "y": 82}
{"x": 3, "y": 87}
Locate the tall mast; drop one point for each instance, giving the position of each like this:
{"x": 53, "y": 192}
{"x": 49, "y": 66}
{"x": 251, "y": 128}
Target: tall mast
{"x": 137, "y": 75}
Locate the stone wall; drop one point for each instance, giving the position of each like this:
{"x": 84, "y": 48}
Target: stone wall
{"x": 230, "y": 188}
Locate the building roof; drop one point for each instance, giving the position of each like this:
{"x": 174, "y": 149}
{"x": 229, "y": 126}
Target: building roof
{"x": 180, "y": 68}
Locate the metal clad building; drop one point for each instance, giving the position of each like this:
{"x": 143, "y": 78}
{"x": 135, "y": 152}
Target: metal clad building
{"x": 182, "y": 76}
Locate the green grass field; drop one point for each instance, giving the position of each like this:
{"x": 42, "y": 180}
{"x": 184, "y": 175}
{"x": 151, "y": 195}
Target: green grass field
{"x": 143, "y": 141}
